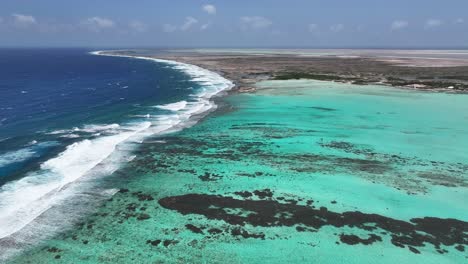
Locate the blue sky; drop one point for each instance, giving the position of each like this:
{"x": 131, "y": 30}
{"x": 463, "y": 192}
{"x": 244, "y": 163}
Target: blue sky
{"x": 234, "y": 23}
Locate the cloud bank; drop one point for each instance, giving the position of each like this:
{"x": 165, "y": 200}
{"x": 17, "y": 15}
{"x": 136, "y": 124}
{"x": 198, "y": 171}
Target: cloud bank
{"x": 23, "y": 20}
{"x": 255, "y": 22}
{"x": 432, "y": 23}
{"x": 97, "y": 24}
{"x": 210, "y": 9}
{"x": 399, "y": 24}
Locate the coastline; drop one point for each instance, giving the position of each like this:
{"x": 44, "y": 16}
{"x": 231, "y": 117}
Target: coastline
{"x": 180, "y": 116}
{"x": 233, "y": 187}
{"x": 247, "y": 69}
{"x": 188, "y": 69}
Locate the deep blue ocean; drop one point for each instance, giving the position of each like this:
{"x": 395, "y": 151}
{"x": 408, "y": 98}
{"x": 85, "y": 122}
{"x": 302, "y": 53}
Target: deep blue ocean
{"x": 44, "y": 90}
{"x": 69, "y": 116}
{"x": 52, "y": 88}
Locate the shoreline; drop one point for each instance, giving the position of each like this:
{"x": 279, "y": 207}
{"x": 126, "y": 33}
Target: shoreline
{"x": 247, "y": 69}
{"x": 230, "y": 84}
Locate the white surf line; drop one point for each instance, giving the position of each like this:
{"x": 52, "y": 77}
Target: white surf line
{"x": 174, "y": 106}
{"x": 24, "y": 200}
{"x": 211, "y": 84}
{"x": 198, "y": 74}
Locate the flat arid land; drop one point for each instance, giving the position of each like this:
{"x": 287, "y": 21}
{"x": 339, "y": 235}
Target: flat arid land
{"x": 311, "y": 159}
{"x": 431, "y": 70}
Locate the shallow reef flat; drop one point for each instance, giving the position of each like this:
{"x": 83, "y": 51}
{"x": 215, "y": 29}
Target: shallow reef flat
{"x": 299, "y": 172}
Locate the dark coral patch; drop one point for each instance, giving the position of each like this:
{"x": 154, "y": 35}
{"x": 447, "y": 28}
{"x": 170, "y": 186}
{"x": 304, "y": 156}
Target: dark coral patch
{"x": 300, "y": 229}
{"x": 123, "y": 190}
{"x": 241, "y": 232}
{"x": 143, "y": 197}
{"x": 214, "y": 231}
{"x": 154, "y": 242}
{"x": 209, "y": 177}
{"x": 414, "y": 250}
{"x": 353, "y": 239}
{"x": 143, "y": 217}
{"x": 305, "y": 229}
{"x": 244, "y": 194}
{"x": 416, "y": 233}
{"x": 194, "y": 229}
{"x": 262, "y": 194}
{"x": 323, "y": 108}
{"x": 169, "y": 242}
{"x": 54, "y": 250}
{"x": 131, "y": 207}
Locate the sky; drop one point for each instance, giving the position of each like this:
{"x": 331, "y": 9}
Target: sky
{"x": 235, "y": 23}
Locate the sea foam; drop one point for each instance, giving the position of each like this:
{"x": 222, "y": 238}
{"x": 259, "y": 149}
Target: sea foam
{"x": 21, "y": 155}
{"x": 23, "y": 200}
{"x": 16, "y": 156}
{"x": 174, "y": 106}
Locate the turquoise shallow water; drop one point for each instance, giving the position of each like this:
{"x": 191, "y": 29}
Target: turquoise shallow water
{"x": 301, "y": 171}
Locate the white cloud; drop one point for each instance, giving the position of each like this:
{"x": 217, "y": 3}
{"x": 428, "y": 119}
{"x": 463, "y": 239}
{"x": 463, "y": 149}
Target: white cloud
{"x": 313, "y": 28}
{"x": 205, "y": 26}
{"x": 432, "y": 23}
{"x": 337, "y": 28}
{"x": 54, "y": 28}
{"x": 256, "y": 22}
{"x": 189, "y": 22}
{"x": 23, "y": 20}
{"x": 138, "y": 26}
{"x": 399, "y": 24}
{"x": 169, "y": 28}
{"x": 210, "y": 9}
{"x": 98, "y": 23}
{"x": 459, "y": 21}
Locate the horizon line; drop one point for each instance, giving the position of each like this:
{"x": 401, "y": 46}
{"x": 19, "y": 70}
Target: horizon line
{"x": 236, "y": 47}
